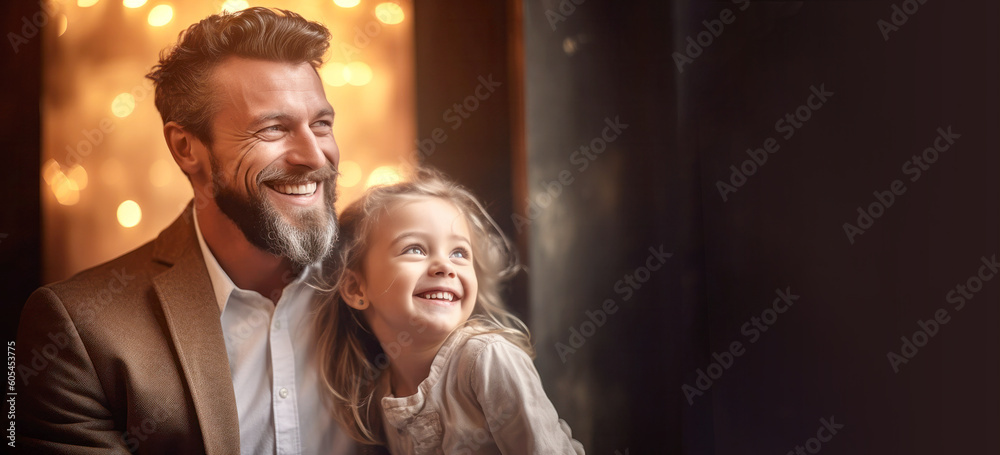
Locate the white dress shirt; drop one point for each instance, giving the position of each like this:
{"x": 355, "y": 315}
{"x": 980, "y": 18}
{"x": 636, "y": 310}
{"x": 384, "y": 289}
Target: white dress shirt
{"x": 282, "y": 410}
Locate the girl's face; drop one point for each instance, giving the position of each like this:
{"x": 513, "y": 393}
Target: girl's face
{"x": 418, "y": 272}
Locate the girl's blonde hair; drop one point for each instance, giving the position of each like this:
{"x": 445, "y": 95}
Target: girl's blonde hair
{"x": 351, "y": 360}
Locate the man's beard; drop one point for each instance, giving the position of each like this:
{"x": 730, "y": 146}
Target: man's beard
{"x": 306, "y": 237}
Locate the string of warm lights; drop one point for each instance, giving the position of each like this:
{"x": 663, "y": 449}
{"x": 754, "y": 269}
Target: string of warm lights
{"x": 67, "y": 183}
{"x": 109, "y": 183}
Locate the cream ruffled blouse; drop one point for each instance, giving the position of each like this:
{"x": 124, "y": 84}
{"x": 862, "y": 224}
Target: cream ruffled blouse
{"x": 483, "y": 396}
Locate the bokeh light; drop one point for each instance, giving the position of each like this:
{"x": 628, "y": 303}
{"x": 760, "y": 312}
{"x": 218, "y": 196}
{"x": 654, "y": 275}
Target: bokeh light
{"x": 63, "y": 24}
{"x": 232, "y": 6}
{"x": 333, "y": 74}
{"x": 569, "y": 46}
{"x": 79, "y": 176}
{"x": 49, "y": 170}
{"x": 129, "y": 213}
{"x": 389, "y": 13}
{"x": 350, "y": 174}
{"x": 65, "y": 190}
{"x": 160, "y": 15}
{"x": 384, "y": 175}
{"x": 118, "y": 141}
{"x": 123, "y": 105}
{"x": 357, "y": 73}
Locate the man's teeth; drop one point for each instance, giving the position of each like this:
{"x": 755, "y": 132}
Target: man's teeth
{"x": 306, "y": 188}
{"x": 438, "y": 296}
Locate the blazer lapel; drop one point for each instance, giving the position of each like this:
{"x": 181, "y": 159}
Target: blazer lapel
{"x": 193, "y": 320}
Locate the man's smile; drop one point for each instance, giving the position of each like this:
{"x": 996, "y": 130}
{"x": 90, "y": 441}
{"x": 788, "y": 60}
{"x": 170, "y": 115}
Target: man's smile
{"x": 302, "y": 189}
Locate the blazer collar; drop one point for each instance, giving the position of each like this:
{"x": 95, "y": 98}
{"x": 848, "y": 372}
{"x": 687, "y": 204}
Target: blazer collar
{"x": 193, "y": 320}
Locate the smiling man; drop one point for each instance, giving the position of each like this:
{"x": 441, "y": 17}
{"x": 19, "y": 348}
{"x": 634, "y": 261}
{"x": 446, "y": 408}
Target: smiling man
{"x": 198, "y": 341}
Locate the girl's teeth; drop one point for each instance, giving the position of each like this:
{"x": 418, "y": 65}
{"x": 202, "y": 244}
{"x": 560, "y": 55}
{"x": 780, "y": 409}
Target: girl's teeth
{"x": 439, "y": 296}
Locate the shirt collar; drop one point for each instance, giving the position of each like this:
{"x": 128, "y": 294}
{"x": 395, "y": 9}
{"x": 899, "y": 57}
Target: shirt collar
{"x": 221, "y": 283}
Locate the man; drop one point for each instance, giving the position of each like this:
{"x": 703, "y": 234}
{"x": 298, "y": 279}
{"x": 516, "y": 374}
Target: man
{"x": 198, "y": 341}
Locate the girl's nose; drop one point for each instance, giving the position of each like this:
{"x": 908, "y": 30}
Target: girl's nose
{"x": 442, "y": 268}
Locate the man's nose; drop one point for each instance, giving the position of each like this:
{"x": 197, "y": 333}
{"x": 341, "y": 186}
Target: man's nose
{"x": 307, "y": 151}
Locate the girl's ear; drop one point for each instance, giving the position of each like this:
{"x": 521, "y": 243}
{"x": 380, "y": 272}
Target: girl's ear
{"x": 351, "y": 291}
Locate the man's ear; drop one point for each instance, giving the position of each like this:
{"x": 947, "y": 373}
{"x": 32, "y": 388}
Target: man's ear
{"x": 186, "y": 149}
{"x": 352, "y": 291}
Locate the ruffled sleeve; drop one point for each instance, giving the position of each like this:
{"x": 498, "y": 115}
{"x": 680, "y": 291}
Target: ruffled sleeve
{"x": 521, "y": 418}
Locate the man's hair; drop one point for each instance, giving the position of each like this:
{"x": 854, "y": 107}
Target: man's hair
{"x": 183, "y": 76}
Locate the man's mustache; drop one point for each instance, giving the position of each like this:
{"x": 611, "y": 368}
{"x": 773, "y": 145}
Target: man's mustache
{"x": 275, "y": 175}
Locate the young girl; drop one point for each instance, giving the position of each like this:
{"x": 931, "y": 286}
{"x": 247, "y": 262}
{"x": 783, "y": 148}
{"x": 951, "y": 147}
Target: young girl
{"x": 415, "y": 345}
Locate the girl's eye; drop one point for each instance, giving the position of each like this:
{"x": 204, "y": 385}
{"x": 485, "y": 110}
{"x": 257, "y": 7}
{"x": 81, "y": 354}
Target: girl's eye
{"x": 413, "y": 250}
{"x": 460, "y": 253}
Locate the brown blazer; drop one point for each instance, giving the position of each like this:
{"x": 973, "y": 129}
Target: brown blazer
{"x": 128, "y": 357}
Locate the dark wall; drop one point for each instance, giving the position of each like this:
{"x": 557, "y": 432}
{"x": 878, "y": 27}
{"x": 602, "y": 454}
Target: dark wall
{"x": 827, "y": 355}
{"x": 617, "y": 300}
{"x": 468, "y": 90}
{"x": 20, "y": 142}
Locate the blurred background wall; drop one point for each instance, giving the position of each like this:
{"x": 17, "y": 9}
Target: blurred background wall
{"x": 683, "y": 180}
{"x": 660, "y": 255}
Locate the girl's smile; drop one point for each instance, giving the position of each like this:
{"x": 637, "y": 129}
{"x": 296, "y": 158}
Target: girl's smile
{"x": 418, "y": 274}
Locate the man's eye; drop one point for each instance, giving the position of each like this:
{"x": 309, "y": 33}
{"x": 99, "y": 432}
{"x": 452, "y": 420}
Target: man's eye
{"x": 322, "y": 127}
{"x": 413, "y": 250}
{"x": 271, "y": 131}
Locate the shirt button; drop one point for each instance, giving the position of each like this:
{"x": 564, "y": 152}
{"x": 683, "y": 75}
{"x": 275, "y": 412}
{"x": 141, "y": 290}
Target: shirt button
{"x": 283, "y": 392}
{"x": 277, "y": 325}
